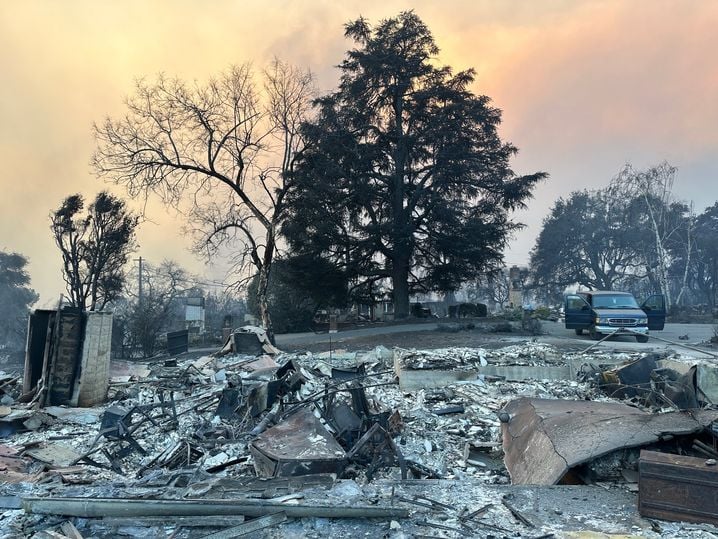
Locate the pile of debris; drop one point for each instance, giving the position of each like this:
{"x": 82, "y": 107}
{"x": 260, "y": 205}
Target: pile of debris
{"x": 424, "y": 442}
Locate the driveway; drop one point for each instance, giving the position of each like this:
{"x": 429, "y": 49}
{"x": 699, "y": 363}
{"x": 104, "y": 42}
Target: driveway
{"x": 698, "y": 334}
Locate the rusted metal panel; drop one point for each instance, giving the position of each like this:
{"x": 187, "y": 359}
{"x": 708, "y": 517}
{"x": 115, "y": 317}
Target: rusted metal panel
{"x": 299, "y": 445}
{"x": 675, "y": 487}
{"x": 544, "y": 438}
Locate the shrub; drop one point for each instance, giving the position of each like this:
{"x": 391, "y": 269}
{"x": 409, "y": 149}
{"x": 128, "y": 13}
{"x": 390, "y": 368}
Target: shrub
{"x": 542, "y": 313}
{"x": 502, "y": 327}
{"x": 468, "y": 310}
{"x": 511, "y": 314}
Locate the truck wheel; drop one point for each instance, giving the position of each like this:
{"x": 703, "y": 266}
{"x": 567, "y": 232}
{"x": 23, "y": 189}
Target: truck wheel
{"x": 578, "y": 331}
{"x": 641, "y": 338}
{"x": 594, "y": 335}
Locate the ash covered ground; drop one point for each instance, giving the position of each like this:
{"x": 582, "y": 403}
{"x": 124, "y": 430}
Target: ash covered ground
{"x": 439, "y": 466}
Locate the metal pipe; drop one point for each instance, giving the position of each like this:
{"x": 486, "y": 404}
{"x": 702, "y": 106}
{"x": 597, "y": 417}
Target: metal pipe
{"x": 695, "y": 349}
{"x": 130, "y": 507}
{"x": 597, "y": 343}
{"x": 624, "y": 331}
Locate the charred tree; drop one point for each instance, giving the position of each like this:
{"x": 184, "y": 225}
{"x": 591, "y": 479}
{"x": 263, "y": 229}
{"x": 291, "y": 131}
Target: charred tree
{"x": 95, "y": 247}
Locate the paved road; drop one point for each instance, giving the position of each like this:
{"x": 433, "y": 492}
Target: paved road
{"x": 314, "y": 338}
{"x": 697, "y": 333}
{"x": 556, "y": 333}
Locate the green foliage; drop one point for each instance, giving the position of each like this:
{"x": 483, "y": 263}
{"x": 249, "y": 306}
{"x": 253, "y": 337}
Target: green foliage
{"x": 513, "y": 315}
{"x": 455, "y": 327}
{"x": 478, "y": 310}
{"x": 404, "y": 179}
{"x": 501, "y": 327}
{"x": 316, "y": 278}
{"x": 543, "y": 313}
{"x": 16, "y": 297}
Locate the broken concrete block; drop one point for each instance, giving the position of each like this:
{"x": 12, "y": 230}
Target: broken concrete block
{"x": 412, "y": 380}
{"x": 521, "y": 373}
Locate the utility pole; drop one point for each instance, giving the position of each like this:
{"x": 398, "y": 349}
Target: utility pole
{"x": 140, "y": 280}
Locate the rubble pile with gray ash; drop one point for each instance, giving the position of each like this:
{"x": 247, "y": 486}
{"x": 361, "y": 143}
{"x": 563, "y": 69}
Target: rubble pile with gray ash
{"x": 460, "y": 448}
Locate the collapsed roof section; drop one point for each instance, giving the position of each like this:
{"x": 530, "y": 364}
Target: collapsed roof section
{"x": 544, "y": 438}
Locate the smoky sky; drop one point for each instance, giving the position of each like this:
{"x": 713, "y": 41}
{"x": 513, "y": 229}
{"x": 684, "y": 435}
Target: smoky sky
{"x": 585, "y": 87}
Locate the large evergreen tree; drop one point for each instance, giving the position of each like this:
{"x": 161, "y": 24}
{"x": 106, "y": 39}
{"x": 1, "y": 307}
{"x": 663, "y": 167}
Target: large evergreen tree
{"x": 404, "y": 179}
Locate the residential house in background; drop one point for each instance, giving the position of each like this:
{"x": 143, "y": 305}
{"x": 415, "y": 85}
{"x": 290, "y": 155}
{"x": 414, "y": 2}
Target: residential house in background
{"x": 194, "y": 316}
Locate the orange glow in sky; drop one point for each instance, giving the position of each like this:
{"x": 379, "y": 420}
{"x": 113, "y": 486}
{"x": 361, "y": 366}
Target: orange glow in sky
{"x": 585, "y": 87}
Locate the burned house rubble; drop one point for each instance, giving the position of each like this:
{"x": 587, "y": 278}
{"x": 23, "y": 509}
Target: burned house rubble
{"x": 520, "y": 439}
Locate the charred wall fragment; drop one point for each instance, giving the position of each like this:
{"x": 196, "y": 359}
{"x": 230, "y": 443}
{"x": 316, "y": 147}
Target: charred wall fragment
{"x": 67, "y": 358}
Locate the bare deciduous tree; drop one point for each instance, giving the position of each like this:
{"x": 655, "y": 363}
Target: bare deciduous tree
{"x": 226, "y": 146}
{"x": 498, "y": 287}
{"x": 665, "y": 220}
{"x": 157, "y": 311}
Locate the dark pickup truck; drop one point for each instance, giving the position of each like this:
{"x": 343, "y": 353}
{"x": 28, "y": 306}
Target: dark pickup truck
{"x": 605, "y": 312}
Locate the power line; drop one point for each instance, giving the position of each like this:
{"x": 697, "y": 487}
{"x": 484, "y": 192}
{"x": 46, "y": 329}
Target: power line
{"x": 208, "y": 282}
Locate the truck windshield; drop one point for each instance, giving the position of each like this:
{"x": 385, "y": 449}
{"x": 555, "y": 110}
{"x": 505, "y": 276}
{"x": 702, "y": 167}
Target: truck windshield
{"x": 619, "y": 301}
